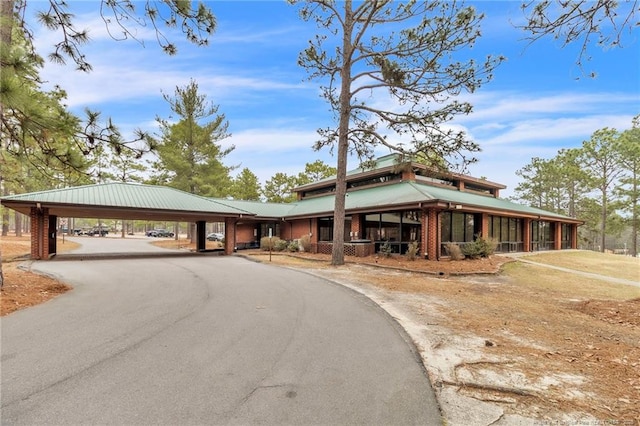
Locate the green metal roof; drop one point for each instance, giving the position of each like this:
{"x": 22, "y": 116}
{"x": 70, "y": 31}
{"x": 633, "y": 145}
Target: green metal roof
{"x": 258, "y": 208}
{"x": 158, "y": 198}
{"x": 385, "y": 196}
{"x": 407, "y": 193}
{"x": 127, "y": 195}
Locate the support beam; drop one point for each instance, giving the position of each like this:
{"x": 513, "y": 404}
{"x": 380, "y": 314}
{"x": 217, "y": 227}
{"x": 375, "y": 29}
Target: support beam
{"x": 526, "y": 235}
{"x": 52, "y": 232}
{"x": 201, "y": 235}
{"x": 574, "y": 236}
{"x": 557, "y": 235}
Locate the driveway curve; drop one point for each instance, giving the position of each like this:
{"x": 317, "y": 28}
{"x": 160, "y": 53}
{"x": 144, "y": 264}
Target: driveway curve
{"x": 207, "y": 340}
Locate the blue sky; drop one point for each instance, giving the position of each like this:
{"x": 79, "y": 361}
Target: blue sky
{"x": 538, "y": 102}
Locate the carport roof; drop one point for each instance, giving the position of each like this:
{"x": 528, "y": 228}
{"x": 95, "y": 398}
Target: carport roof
{"x": 121, "y": 197}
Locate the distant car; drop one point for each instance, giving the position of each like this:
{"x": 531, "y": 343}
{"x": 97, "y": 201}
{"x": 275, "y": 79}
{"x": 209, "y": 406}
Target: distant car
{"x": 215, "y": 236}
{"x": 97, "y": 231}
{"x": 160, "y": 233}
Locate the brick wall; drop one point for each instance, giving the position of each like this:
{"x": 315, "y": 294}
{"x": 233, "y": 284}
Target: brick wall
{"x": 230, "y": 229}
{"x": 298, "y": 228}
{"x": 244, "y": 232}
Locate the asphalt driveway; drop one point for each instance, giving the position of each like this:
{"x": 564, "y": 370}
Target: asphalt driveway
{"x": 207, "y": 340}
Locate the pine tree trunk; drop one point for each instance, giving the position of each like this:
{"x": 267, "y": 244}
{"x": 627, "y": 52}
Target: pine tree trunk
{"x": 337, "y": 251}
{"x": 6, "y": 26}
{"x": 18, "y": 220}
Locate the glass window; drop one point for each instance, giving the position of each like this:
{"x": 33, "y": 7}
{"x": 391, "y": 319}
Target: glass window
{"x": 457, "y": 227}
{"x": 445, "y": 227}
{"x": 470, "y": 230}
{"x": 325, "y": 229}
{"x": 504, "y": 229}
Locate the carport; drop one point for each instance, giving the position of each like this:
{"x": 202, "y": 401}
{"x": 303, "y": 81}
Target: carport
{"x": 122, "y": 201}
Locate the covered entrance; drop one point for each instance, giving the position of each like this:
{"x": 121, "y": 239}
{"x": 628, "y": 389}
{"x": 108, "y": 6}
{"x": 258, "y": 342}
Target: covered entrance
{"x": 120, "y": 201}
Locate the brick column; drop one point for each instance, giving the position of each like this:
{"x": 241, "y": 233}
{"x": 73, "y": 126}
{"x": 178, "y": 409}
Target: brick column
{"x": 35, "y": 231}
{"x": 433, "y": 238}
{"x": 424, "y": 227}
{"x": 314, "y": 234}
{"x": 45, "y": 233}
{"x": 484, "y": 226}
{"x": 229, "y": 235}
{"x": 39, "y": 233}
{"x": 357, "y": 226}
{"x": 526, "y": 234}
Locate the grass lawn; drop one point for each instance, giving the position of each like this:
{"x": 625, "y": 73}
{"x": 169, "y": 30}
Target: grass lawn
{"x": 610, "y": 265}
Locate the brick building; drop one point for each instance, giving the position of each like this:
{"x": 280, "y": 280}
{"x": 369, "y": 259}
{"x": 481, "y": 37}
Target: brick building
{"x": 394, "y": 203}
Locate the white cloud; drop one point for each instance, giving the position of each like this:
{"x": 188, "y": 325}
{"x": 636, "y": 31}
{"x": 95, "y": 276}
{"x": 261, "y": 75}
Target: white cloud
{"x": 273, "y": 140}
{"x": 503, "y": 106}
{"x": 537, "y": 131}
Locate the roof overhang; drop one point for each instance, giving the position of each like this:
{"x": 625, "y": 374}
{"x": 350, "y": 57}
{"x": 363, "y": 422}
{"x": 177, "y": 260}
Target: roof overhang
{"x": 111, "y": 212}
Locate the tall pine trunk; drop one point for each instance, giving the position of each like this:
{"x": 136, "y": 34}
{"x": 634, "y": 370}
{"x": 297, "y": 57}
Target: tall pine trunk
{"x": 337, "y": 251}
{"x": 6, "y": 26}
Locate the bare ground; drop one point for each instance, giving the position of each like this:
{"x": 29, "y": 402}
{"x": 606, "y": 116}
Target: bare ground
{"x": 503, "y": 342}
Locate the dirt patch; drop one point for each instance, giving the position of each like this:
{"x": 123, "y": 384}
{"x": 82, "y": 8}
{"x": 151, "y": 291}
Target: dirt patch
{"x": 23, "y": 289}
{"x": 626, "y": 314}
{"x": 441, "y": 268}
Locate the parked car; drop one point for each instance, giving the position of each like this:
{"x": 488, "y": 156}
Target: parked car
{"x": 160, "y": 233}
{"x": 215, "y": 236}
{"x": 97, "y": 231}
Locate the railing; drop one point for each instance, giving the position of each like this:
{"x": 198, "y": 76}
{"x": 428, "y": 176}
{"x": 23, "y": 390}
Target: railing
{"x": 359, "y": 249}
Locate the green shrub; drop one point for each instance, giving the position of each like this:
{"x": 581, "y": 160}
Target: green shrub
{"x": 293, "y": 246}
{"x": 385, "y": 249}
{"x": 413, "y": 250}
{"x": 454, "y": 251}
{"x": 305, "y": 243}
{"x": 489, "y": 245}
{"x": 280, "y": 245}
{"x": 472, "y": 250}
{"x": 481, "y": 247}
{"x": 267, "y": 243}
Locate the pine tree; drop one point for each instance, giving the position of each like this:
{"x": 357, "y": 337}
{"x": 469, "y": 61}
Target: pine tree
{"x": 402, "y": 52}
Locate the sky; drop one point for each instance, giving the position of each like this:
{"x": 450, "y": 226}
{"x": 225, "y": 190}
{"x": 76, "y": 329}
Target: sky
{"x": 538, "y": 102}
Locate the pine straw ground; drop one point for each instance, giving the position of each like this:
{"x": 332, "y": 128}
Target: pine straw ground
{"x": 537, "y": 342}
